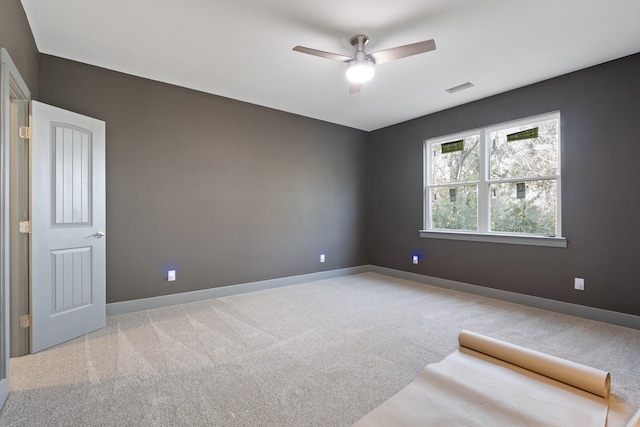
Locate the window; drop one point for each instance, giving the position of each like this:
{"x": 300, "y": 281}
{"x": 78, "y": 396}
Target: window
{"x": 502, "y": 180}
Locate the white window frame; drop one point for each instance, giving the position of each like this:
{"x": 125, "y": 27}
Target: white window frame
{"x": 483, "y": 234}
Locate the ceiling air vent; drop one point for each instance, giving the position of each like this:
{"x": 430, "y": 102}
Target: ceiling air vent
{"x": 458, "y": 88}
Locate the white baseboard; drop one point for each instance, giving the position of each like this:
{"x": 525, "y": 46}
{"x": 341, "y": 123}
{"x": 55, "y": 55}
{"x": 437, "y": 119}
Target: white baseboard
{"x": 223, "y": 291}
{"x": 586, "y": 312}
{"x": 607, "y": 316}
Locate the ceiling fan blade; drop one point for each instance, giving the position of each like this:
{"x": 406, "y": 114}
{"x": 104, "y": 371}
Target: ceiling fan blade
{"x": 354, "y": 87}
{"x": 394, "y": 53}
{"x": 323, "y": 54}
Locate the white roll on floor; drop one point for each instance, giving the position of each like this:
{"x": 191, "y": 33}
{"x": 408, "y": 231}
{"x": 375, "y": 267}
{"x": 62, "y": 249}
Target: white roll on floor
{"x": 488, "y": 382}
{"x": 584, "y": 377}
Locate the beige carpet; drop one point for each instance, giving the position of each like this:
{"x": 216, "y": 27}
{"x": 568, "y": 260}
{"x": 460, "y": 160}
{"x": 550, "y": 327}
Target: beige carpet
{"x": 317, "y": 354}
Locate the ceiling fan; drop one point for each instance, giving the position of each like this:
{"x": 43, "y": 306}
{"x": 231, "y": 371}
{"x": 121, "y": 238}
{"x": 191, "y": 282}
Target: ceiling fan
{"x": 361, "y": 64}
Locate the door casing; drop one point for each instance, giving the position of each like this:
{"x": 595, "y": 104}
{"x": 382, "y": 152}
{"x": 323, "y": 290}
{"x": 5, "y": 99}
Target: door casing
{"x": 12, "y": 87}
{"x": 19, "y": 240}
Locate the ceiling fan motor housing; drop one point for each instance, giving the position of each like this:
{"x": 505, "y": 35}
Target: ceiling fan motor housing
{"x": 359, "y": 40}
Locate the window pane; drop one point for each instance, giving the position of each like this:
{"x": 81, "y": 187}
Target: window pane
{"x": 523, "y": 158}
{"x": 456, "y": 166}
{"x": 524, "y": 207}
{"x": 454, "y": 208}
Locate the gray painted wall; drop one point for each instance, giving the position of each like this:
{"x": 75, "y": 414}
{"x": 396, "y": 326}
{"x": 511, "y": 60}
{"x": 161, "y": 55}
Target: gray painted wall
{"x": 223, "y": 191}
{"x": 16, "y": 37}
{"x": 229, "y": 193}
{"x": 600, "y": 193}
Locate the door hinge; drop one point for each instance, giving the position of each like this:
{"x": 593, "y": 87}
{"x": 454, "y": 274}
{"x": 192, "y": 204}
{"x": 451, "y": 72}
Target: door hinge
{"x": 24, "y": 227}
{"x": 25, "y": 132}
{"x": 25, "y": 320}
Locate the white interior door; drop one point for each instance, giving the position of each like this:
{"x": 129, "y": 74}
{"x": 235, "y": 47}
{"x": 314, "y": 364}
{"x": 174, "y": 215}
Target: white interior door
{"x": 68, "y": 260}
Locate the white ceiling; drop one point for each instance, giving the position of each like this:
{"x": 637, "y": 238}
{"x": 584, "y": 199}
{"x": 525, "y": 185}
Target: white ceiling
{"x": 241, "y": 49}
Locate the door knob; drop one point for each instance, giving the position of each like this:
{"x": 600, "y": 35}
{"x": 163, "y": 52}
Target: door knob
{"x": 99, "y": 234}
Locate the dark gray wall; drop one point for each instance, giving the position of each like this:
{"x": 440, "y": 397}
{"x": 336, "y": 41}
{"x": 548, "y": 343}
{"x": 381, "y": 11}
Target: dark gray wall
{"x": 227, "y": 192}
{"x": 16, "y": 37}
{"x": 223, "y": 191}
{"x": 600, "y": 196}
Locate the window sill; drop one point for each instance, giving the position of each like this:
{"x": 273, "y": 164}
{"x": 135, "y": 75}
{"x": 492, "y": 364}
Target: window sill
{"x": 509, "y": 239}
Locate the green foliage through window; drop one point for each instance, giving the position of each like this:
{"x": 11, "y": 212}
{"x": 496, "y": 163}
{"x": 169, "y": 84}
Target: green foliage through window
{"x": 511, "y": 188}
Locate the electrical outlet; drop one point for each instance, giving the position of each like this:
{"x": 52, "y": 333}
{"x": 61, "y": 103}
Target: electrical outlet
{"x": 415, "y": 259}
{"x": 171, "y": 275}
{"x": 579, "y": 284}
{"x": 321, "y": 257}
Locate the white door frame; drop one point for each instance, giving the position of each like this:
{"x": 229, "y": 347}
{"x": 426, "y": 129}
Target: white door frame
{"x": 11, "y": 86}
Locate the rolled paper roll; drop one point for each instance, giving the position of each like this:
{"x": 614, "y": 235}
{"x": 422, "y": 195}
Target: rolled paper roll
{"x": 580, "y": 376}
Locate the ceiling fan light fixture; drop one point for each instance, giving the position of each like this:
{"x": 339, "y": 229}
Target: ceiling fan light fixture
{"x": 360, "y": 71}
{"x": 360, "y": 66}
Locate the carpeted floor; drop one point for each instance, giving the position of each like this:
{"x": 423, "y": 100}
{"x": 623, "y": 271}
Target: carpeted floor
{"x": 317, "y": 354}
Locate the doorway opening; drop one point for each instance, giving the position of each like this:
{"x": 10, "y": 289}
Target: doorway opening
{"x": 20, "y": 225}
{"x": 15, "y": 99}
{"x": 14, "y": 115}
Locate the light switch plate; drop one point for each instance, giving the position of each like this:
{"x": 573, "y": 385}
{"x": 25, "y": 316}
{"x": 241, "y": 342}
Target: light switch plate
{"x": 171, "y": 275}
